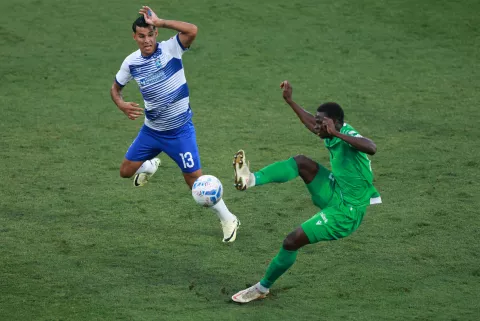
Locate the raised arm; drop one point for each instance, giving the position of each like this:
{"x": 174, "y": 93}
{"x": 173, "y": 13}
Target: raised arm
{"x": 187, "y": 31}
{"x": 362, "y": 144}
{"x": 305, "y": 117}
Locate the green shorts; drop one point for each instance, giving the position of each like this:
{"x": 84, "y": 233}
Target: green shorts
{"x": 336, "y": 219}
{"x": 333, "y": 223}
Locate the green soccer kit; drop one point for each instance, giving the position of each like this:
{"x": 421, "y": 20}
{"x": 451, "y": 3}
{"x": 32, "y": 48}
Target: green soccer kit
{"x": 343, "y": 194}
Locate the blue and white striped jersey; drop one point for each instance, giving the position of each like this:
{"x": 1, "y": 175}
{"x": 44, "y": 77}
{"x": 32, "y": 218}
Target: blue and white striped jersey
{"x": 162, "y": 82}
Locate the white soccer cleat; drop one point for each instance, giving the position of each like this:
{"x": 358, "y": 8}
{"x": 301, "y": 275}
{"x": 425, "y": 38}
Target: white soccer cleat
{"x": 242, "y": 171}
{"x": 230, "y": 230}
{"x": 249, "y": 294}
{"x": 141, "y": 179}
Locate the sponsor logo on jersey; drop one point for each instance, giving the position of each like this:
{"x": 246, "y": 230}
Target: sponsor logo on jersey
{"x": 153, "y": 78}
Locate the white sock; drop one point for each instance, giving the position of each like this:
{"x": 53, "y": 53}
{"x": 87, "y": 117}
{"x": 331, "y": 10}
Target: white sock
{"x": 251, "y": 180}
{"x": 147, "y": 167}
{"x": 222, "y": 211}
{"x": 261, "y": 288}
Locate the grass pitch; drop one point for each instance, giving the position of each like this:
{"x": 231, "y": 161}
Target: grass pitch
{"x": 79, "y": 243}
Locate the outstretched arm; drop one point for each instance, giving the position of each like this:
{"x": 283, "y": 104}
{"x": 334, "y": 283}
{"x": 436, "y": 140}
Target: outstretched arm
{"x": 187, "y": 31}
{"x": 362, "y": 144}
{"x": 305, "y": 117}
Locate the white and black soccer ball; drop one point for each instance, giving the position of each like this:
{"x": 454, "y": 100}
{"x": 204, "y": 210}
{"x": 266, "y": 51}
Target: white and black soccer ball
{"x": 207, "y": 190}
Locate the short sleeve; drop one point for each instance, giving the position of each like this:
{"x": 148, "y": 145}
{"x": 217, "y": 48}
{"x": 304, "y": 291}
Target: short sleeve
{"x": 350, "y": 132}
{"x": 174, "y": 47}
{"x": 353, "y": 133}
{"x": 123, "y": 75}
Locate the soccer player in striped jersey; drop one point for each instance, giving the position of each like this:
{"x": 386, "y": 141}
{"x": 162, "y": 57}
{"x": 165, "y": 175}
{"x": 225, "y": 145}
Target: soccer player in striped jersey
{"x": 158, "y": 70}
{"x": 342, "y": 194}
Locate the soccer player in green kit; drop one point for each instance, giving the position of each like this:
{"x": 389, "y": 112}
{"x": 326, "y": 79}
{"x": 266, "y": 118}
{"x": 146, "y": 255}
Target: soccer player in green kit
{"x": 342, "y": 194}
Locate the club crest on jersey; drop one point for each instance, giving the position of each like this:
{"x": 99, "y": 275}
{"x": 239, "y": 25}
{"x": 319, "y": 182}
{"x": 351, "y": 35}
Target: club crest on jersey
{"x": 158, "y": 63}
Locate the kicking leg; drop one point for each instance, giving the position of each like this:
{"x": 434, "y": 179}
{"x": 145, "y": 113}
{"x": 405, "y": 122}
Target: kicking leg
{"x": 190, "y": 178}
{"x": 278, "y": 172}
{"x": 185, "y": 154}
{"x": 229, "y": 222}
{"x": 307, "y": 168}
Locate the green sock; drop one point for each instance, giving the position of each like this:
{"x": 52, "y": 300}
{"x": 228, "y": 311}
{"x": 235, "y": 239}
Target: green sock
{"x": 279, "y": 172}
{"x": 279, "y": 265}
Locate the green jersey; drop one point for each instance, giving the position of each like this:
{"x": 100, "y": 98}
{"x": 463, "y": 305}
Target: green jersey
{"x": 352, "y": 170}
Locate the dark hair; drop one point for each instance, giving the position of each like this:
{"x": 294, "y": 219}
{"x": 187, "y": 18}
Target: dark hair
{"x": 140, "y": 22}
{"x": 333, "y": 110}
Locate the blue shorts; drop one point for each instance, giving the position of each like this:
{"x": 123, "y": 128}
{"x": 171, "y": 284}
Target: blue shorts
{"x": 180, "y": 144}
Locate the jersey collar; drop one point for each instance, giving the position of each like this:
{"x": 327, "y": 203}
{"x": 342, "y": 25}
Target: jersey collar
{"x": 150, "y": 56}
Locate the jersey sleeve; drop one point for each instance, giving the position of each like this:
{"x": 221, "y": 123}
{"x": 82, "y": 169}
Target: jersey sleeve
{"x": 350, "y": 132}
{"x": 123, "y": 75}
{"x": 174, "y": 47}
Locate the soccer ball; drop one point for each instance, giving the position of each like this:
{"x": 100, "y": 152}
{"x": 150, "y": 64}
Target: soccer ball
{"x": 207, "y": 190}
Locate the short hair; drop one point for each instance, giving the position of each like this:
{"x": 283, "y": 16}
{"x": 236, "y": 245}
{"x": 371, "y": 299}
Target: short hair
{"x": 333, "y": 110}
{"x": 140, "y": 22}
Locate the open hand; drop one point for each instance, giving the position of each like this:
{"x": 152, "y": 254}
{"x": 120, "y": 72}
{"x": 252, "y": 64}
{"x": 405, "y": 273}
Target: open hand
{"x": 131, "y": 110}
{"x": 149, "y": 16}
{"x": 287, "y": 90}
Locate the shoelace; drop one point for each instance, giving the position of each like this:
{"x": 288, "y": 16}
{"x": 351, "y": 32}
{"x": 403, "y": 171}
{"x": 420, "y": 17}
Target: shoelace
{"x": 252, "y": 292}
{"x": 226, "y": 223}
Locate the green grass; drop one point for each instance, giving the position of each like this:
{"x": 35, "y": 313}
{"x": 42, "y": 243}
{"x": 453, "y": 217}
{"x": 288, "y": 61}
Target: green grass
{"x": 79, "y": 243}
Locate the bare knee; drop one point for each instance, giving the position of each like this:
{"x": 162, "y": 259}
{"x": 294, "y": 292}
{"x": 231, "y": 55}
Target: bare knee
{"x": 190, "y": 178}
{"x": 129, "y": 168}
{"x": 295, "y": 240}
{"x": 307, "y": 168}
{"x": 125, "y": 173}
{"x": 292, "y": 243}
{"x": 289, "y": 244}
{"x": 305, "y": 163}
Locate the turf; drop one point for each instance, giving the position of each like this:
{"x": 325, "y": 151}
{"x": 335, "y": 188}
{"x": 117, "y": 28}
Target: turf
{"x": 79, "y": 243}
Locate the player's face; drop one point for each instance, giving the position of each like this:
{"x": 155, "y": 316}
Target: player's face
{"x": 320, "y": 128}
{"x": 146, "y": 39}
